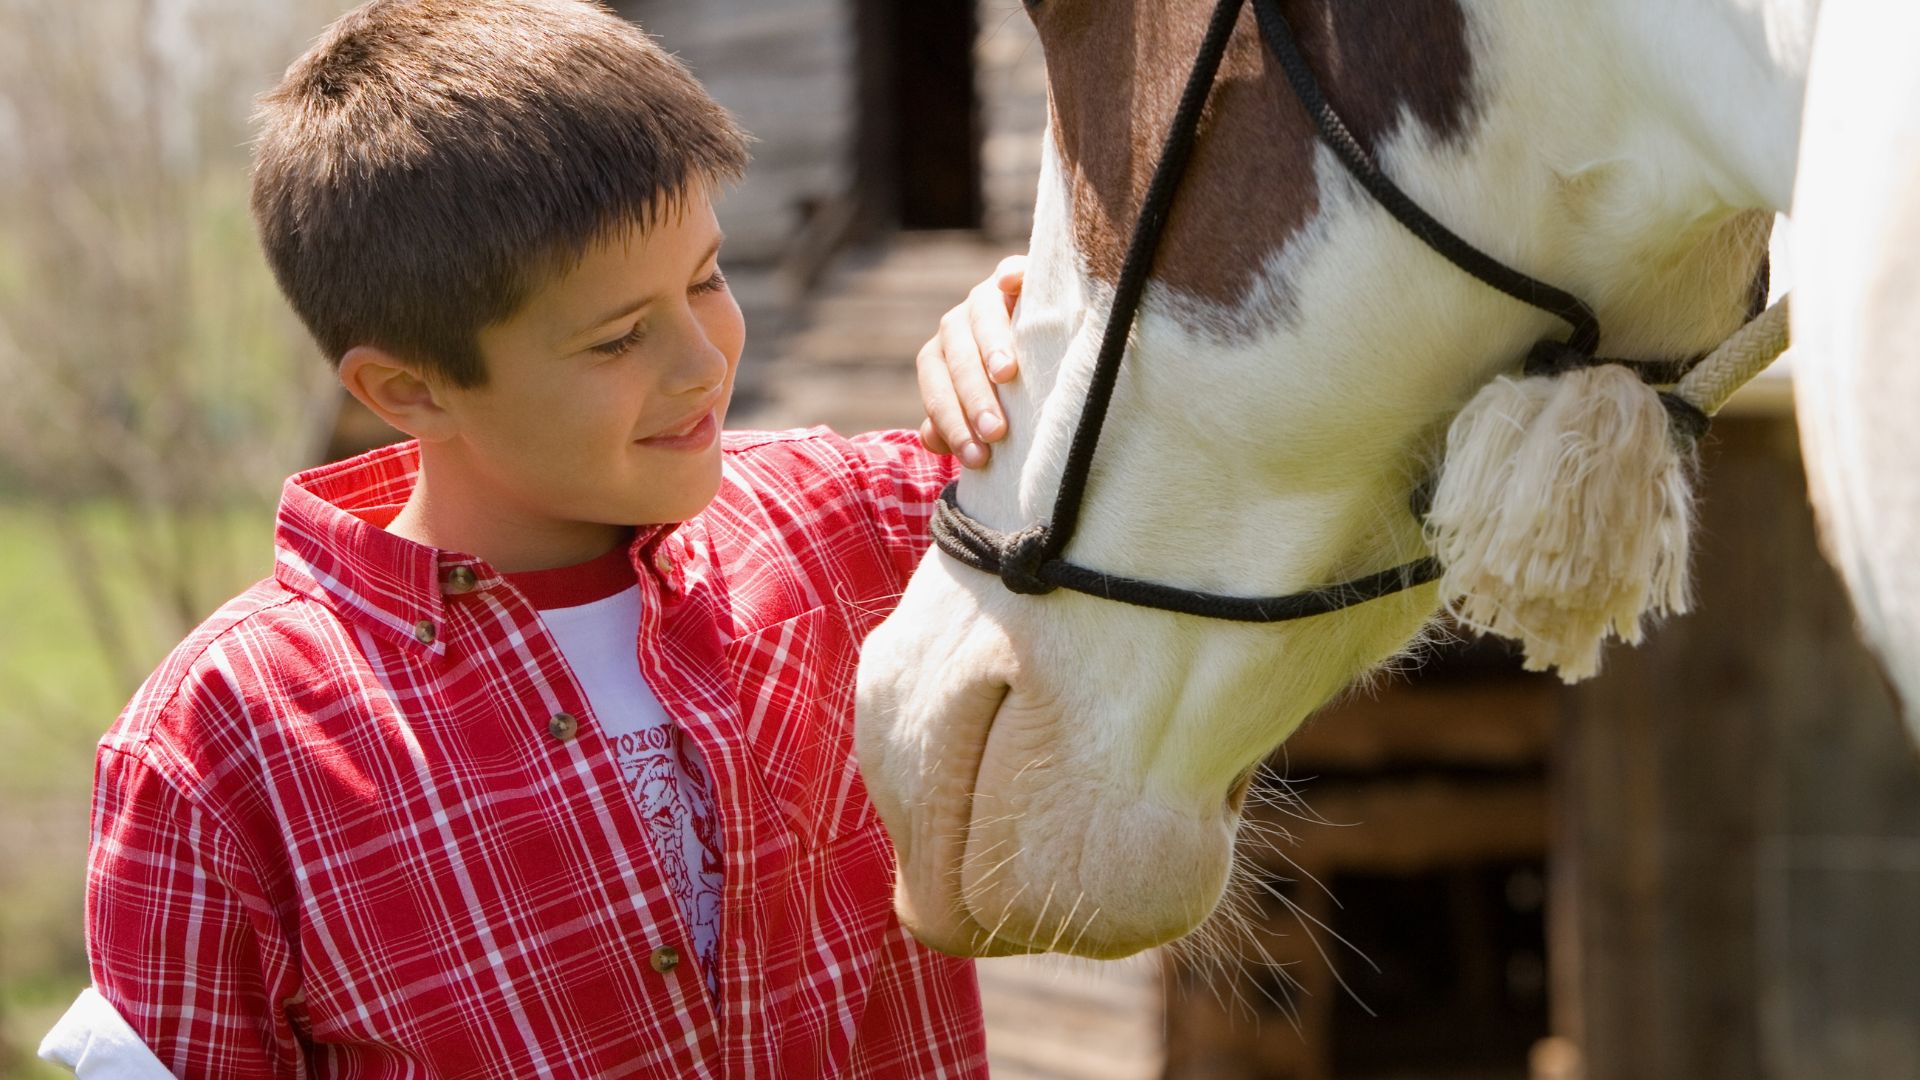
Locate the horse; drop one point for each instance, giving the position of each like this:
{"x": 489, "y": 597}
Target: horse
{"x": 1856, "y": 326}
{"x": 1064, "y": 772}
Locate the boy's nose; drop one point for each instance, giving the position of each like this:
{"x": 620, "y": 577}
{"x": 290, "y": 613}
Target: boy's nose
{"x": 700, "y": 363}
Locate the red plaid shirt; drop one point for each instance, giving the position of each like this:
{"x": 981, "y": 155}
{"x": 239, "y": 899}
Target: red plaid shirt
{"x": 361, "y": 823}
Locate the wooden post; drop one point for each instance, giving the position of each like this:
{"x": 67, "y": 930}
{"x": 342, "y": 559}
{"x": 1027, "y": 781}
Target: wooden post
{"x": 1705, "y": 926}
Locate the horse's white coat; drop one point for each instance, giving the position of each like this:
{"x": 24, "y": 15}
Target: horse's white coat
{"x": 1056, "y": 772}
{"x": 1857, "y": 318}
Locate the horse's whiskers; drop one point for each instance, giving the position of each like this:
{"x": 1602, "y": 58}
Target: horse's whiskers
{"x": 1268, "y": 831}
{"x": 1083, "y": 930}
{"x": 1305, "y": 917}
{"x": 1066, "y": 920}
{"x": 1006, "y": 912}
{"x": 1230, "y": 949}
{"x": 1041, "y": 919}
{"x": 990, "y": 847}
{"x": 1035, "y": 763}
{"x": 1280, "y": 794}
{"x": 1305, "y": 873}
{"x": 987, "y": 875}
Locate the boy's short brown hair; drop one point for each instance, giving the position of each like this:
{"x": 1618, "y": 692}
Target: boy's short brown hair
{"x": 428, "y": 164}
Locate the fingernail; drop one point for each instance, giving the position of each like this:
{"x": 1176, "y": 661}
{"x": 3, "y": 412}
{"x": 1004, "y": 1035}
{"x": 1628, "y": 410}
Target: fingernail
{"x": 973, "y": 455}
{"x": 989, "y": 425}
{"x": 1000, "y": 365}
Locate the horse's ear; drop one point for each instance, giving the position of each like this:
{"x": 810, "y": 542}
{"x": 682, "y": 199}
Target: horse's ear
{"x": 1563, "y": 513}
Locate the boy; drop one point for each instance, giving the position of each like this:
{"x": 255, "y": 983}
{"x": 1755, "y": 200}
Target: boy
{"x": 502, "y": 773}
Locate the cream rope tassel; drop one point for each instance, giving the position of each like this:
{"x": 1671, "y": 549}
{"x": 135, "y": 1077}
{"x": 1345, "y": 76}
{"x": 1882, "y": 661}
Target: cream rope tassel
{"x": 1564, "y": 510}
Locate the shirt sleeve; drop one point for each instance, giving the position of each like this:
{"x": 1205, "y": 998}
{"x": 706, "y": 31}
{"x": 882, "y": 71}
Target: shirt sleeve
{"x": 175, "y": 931}
{"x": 902, "y": 479}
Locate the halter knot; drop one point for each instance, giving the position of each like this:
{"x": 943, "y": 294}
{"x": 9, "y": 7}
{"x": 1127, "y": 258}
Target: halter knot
{"x": 1550, "y": 357}
{"x": 1690, "y": 421}
{"x": 1020, "y": 561}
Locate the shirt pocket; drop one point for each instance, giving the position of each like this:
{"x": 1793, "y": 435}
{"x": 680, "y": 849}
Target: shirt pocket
{"x": 794, "y": 685}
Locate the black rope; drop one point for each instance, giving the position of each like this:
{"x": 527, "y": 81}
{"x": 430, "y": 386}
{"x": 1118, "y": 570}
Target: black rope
{"x": 988, "y": 550}
{"x": 1333, "y": 130}
{"x": 1549, "y": 357}
{"x": 1133, "y": 281}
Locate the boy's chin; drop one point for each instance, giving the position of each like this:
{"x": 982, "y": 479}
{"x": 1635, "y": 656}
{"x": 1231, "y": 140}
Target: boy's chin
{"x": 693, "y": 490}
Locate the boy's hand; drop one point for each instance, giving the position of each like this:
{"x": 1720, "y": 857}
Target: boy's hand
{"x": 959, "y": 367}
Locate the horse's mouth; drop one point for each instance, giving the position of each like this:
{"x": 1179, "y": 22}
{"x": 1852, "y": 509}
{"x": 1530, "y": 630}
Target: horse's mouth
{"x": 933, "y": 840}
{"x": 1040, "y": 854}
{"x": 1016, "y": 830}
{"x": 955, "y": 891}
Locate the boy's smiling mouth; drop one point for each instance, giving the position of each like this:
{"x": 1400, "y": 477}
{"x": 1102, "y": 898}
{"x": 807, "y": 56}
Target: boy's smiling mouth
{"x": 694, "y": 433}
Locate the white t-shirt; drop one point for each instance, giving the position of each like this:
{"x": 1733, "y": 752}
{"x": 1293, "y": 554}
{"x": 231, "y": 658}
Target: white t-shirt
{"x": 661, "y": 766}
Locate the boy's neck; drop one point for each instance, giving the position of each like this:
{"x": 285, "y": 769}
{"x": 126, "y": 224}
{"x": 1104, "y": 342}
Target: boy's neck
{"x": 451, "y": 511}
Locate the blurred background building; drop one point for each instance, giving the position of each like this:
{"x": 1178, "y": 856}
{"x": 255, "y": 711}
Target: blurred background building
{"x": 1703, "y": 865}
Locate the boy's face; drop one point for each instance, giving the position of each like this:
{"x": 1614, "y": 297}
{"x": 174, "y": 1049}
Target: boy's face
{"x": 605, "y": 393}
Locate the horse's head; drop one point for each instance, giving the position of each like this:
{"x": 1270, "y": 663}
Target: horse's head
{"x": 1065, "y": 772}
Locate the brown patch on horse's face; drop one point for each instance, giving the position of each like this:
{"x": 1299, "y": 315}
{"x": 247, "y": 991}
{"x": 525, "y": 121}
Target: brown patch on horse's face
{"x": 1116, "y": 68}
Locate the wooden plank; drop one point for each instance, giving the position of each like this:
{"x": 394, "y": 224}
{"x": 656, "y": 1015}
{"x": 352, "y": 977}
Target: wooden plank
{"x": 1502, "y": 723}
{"x": 1411, "y": 826}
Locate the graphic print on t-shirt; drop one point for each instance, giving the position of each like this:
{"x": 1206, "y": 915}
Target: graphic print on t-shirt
{"x": 670, "y": 785}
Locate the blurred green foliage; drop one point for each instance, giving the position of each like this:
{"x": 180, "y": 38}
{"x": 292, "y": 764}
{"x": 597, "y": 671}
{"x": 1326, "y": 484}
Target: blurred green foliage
{"x": 154, "y": 391}
{"x": 58, "y": 694}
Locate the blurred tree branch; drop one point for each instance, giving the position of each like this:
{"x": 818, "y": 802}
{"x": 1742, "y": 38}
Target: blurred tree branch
{"x": 147, "y": 363}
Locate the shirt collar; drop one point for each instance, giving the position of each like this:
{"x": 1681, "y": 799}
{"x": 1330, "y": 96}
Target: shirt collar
{"x": 331, "y": 545}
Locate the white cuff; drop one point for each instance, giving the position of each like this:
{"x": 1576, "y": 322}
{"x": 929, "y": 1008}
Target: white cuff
{"x": 95, "y": 1042}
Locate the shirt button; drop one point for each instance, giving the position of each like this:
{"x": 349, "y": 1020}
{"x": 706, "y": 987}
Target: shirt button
{"x": 562, "y": 726}
{"x": 662, "y": 561}
{"x": 425, "y": 632}
{"x": 460, "y": 580}
{"x": 665, "y": 959}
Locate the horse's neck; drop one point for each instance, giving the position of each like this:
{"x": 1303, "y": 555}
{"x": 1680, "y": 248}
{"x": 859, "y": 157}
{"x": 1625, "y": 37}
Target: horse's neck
{"x": 1613, "y": 142}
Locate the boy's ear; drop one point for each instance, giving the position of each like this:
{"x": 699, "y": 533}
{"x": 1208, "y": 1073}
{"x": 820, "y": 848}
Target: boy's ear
{"x": 395, "y": 391}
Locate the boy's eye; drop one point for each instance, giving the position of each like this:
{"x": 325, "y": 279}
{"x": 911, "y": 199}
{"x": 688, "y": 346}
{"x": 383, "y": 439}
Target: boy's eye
{"x": 712, "y": 283}
{"x": 622, "y": 344}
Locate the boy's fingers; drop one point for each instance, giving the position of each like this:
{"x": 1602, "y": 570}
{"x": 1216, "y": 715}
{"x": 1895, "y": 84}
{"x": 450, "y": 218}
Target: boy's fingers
{"x": 930, "y": 438}
{"x": 989, "y": 318}
{"x": 949, "y": 422}
{"x": 1011, "y": 277}
{"x": 971, "y": 342}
